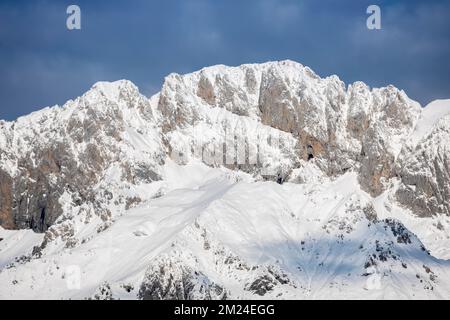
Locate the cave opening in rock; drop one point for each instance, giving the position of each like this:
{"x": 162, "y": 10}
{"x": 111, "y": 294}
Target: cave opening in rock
{"x": 42, "y": 217}
{"x": 280, "y": 179}
{"x": 310, "y": 152}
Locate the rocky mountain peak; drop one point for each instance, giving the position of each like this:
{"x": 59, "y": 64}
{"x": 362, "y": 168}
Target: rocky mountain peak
{"x": 301, "y": 121}
{"x": 117, "y": 91}
{"x": 262, "y": 180}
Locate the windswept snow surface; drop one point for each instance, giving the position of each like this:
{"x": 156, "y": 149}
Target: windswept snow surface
{"x": 16, "y": 243}
{"x": 253, "y": 239}
{"x": 430, "y": 116}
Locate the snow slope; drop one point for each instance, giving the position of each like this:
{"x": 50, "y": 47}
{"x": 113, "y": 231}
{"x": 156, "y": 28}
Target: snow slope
{"x": 247, "y": 239}
{"x": 430, "y": 116}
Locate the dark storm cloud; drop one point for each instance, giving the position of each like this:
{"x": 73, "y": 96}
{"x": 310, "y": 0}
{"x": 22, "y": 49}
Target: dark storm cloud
{"x": 42, "y": 63}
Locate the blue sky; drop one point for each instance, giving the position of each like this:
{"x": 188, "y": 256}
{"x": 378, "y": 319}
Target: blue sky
{"x": 42, "y": 63}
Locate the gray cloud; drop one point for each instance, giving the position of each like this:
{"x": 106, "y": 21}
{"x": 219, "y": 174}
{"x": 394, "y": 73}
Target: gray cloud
{"x": 42, "y": 63}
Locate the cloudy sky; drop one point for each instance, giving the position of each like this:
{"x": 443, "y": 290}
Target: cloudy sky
{"x": 42, "y": 63}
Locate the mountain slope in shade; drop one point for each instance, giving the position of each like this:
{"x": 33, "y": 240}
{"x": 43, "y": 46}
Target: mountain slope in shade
{"x": 228, "y": 236}
{"x": 257, "y": 181}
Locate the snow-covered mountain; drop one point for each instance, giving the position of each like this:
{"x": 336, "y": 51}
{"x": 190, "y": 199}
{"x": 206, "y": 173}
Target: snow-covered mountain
{"x": 257, "y": 181}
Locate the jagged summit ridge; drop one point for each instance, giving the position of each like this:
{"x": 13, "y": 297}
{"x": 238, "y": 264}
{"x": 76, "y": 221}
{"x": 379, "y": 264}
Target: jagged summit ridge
{"x": 303, "y": 116}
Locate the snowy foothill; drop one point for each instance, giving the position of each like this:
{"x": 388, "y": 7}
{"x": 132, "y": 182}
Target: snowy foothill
{"x": 306, "y": 241}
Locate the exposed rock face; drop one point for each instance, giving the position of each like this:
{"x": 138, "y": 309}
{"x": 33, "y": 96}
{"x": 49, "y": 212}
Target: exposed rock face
{"x": 391, "y": 120}
{"x": 171, "y": 280}
{"x": 213, "y": 114}
{"x": 68, "y": 150}
{"x": 6, "y": 186}
{"x": 424, "y": 165}
{"x": 341, "y": 129}
{"x": 274, "y": 120}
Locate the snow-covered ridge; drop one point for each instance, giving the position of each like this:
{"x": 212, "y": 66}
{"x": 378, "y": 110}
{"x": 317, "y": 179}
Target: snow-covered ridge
{"x": 262, "y": 180}
{"x": 431, "y": 114}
